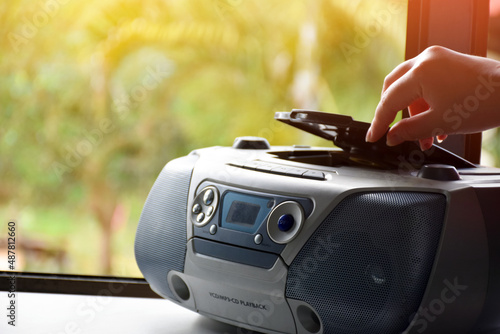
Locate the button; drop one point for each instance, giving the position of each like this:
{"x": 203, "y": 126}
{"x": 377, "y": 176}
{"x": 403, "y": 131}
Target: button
{"x": 265, "y": 167}
{"x": 236, "y": 163}
{"x": 285, "y": 222}
{"x": 258, "y": 239}
{"x": 279, "y": 170}
{"x": 213, "y": 229}
{"x": 251, "y": 165}
{"x": 313, "y": 174}
{"x": 205, "y": 205}
{"x": 196, "y": 209}
{"x": 208, "y": 197}
{"x": 210, "y": 211}
{"x": 295, "y": 171}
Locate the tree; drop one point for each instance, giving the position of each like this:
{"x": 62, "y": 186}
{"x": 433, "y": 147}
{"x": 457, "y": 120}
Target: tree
{"x": 98, "y": 96}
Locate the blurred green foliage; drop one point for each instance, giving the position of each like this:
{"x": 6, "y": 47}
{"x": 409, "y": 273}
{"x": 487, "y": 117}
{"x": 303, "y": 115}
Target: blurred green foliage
{"x": 97, "y": 96}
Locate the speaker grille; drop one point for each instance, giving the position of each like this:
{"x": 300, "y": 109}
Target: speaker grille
{"x": 366, "y": 267}
{"x": 160, "y": 243}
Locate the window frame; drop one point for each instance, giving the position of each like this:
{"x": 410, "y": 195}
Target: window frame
{"x": 14, "y": 281}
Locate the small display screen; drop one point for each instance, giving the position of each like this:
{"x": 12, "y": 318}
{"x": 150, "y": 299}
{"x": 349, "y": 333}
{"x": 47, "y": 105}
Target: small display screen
{"x": 242, "y": 213}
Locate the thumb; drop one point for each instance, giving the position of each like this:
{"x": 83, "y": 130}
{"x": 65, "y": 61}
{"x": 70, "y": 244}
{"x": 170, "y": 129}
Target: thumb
{"x": 413, "y": 128}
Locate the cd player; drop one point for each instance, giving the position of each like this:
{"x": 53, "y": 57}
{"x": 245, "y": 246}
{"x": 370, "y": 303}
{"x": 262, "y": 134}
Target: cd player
{"x": 362, "y": 238}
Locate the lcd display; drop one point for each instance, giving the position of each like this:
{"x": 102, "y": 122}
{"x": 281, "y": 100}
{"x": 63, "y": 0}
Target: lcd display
{"x": 242, "y": 213}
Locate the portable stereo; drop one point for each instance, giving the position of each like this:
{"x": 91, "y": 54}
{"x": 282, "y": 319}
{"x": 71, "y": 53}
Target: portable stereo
{"x": 362, "y": 238}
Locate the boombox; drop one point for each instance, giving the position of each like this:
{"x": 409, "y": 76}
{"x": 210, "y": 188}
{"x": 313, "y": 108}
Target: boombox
{"x": 361, "y": 238}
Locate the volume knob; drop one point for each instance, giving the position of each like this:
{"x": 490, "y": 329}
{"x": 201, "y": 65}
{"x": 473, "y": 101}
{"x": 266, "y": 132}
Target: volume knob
{"x": 285, "y": 222}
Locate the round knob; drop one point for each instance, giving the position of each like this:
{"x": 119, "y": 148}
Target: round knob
{"x": 285, "y": 222}
{"x": 439, "y": 172}
{"x": 251, "y": 143}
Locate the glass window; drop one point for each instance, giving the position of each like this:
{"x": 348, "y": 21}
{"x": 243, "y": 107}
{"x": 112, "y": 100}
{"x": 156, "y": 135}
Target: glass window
{"x": 97, "y": 96}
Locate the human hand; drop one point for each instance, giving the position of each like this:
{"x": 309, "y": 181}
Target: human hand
{"x": 446, "y": 92}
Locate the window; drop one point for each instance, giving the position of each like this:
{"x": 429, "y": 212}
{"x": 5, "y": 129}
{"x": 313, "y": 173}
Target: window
{"x": 98, "y": 95}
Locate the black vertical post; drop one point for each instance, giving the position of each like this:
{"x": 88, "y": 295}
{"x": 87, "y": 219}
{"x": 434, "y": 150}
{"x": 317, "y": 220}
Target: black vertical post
{"x": 461, "y": 25}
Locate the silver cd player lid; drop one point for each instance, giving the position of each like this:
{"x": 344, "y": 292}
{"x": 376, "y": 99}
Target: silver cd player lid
{"x": 349, "y": 135}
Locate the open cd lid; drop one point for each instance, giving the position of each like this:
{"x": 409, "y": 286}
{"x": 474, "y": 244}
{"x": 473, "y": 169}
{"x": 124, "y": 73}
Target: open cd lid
{"x": 349, "y": 135}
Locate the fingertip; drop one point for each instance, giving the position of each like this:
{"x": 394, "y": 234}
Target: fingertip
{"x": 393, "y": 139}
{"x": 374, "y": 133}
{"x": 441, "y": 138}
{"x": 426, "y": 143}
{"x": 369, "y": 136}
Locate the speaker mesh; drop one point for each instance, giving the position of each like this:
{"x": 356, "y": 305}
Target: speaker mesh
{"x": 160, "y": 243}
{"x": 366, "y": 267}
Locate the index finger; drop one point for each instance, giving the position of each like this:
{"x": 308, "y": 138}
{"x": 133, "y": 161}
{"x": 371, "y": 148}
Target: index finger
{"x": 399, "y": 95}
{"x": 397, "y": 73}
